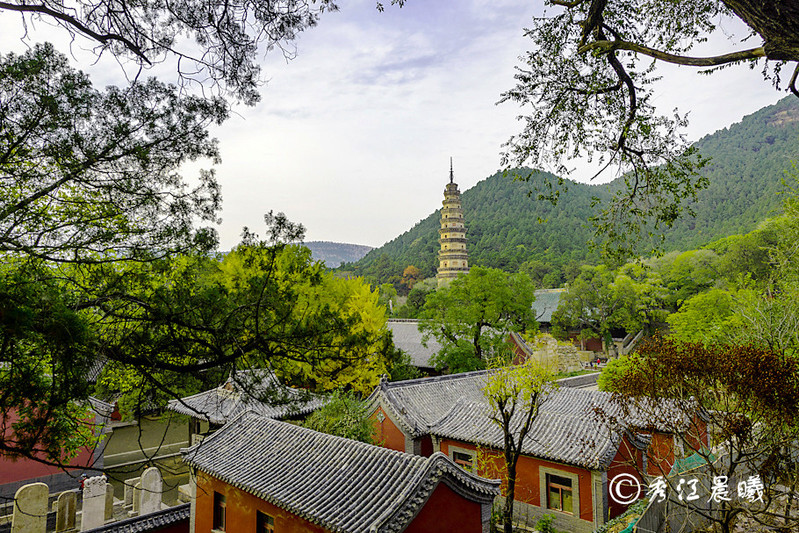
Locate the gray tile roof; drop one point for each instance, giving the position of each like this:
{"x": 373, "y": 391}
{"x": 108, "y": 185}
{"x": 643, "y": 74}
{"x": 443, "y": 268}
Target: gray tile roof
{"x": 340, "y": 484}
{"x": 100, "y": 407}
{"x": 408, "y": 338}
{"x": 567, "y": 429}
{"x": 149, "y": 522}
{"x": 546, "y": 302}
{"x": 253, "y": 390}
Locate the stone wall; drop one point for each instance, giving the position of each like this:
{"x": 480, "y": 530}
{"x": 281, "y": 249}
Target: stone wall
{"x": 558, "y": 356}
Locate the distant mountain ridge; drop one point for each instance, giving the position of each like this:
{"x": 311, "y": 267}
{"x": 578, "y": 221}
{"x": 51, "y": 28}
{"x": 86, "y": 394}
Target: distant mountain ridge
{"x": 749, "y": 160}
{"x": 335, "y": 253}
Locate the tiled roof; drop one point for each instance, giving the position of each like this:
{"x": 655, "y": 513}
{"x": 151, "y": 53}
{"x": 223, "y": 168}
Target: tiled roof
{"x": 567, "y": 429}
{"x": 408, "y": 338}
{"x": 340, "y": 484}
{"x": 253, "y": 390}
{"x": 546, "y": 302}
{"x": 149, "y": 522}
{"x": 100, "y": 407}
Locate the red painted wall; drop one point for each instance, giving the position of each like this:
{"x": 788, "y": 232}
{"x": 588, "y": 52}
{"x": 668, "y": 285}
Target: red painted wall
{"x": 22, "y": 469}
{"x": 628, "y": 460}
{"x": 241, "y": 510}
{"x": 388, "y": 435}
{"x": 491, "y": 464}
{"x": 660, "y": 454}
{"x": 447, "y": 511}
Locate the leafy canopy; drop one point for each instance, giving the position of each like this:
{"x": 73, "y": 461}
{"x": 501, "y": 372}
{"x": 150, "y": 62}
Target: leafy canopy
{"x": 90, "y": 175}
{"x": 472, "y": 316}
{"x": 345, "y": 416}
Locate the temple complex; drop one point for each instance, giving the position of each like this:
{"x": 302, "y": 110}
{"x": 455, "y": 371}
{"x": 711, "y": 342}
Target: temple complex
{"x": 452, "y": 258}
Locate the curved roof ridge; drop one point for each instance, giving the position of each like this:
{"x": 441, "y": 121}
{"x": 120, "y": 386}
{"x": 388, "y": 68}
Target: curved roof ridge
{"x": 437, "y": 379}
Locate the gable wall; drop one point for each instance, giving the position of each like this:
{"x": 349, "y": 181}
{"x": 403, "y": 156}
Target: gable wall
{"x": 529, "y": 472}
{"x": 387, "y": 434}
{"x": 447, "y": 511}
{"x": 241, "y": 510}
{"x": 660, "y": 454}
{"x": 628, "y": 461}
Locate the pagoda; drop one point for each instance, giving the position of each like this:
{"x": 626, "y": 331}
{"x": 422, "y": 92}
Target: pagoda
{"x": 452, "y": 259}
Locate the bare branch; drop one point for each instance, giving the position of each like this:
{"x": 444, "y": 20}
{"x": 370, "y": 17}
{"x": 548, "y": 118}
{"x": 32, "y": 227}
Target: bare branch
{"x": 104, "y": 38}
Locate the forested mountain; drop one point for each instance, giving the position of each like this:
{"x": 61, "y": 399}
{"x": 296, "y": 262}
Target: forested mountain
{"x": 335, "y": 253}
{"x": 505, "y": 228}
{"x": 748, "y": 162}
{"x": 508, "y": 229}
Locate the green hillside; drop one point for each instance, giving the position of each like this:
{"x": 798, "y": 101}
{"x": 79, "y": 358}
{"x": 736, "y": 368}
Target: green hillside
{"x": 335, "y": 253}
{"x": 508, "y": 229}
{"x": 748, "y": 162}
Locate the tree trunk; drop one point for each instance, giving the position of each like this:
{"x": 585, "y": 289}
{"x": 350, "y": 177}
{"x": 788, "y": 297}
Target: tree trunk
{"x": 777, "y": 21}
{"x": 507, "y": 513}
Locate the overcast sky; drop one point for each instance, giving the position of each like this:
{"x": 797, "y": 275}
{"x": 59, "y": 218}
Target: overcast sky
{"x": 353, "y": 137}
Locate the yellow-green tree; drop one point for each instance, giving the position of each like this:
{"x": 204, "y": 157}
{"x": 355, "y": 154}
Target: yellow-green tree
{"x": 515, "y": 394}
{"x": 184, "y": 321}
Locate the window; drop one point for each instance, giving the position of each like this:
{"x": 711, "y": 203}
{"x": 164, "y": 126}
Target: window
{"x": 264, "y": 523}
{"x": 462, "y": 457}
{"x": 559, "y": 493}
{"x": 220, "y": 511}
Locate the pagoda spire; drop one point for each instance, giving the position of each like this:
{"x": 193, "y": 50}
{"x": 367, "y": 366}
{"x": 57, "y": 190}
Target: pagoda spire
{"x": 452, "y": 258}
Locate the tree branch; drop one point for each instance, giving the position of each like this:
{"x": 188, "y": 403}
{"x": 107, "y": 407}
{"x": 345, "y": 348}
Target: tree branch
{"x": 609, "y": 46}
{"x": 104, "y": 38}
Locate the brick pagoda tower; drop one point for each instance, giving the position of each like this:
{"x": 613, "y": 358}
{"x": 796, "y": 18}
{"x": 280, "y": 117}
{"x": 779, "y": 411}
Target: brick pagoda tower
{"x": 452, "y": 259}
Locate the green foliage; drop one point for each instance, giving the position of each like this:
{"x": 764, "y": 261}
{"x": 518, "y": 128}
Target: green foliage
{"x": 601, "y": 299}
{"x": 92, "y": 175}
{"x": 544, "y": 524}
{"x": 262, "y": 306}
{"x": 46, "y": 350}
{"x": 345, "y": 416}
{"x": 471, "y": 318}
{"x": 403, "y": 369}
{"x": 635, "y": 510}
{"x": 705, "y": 317}
{"x": 612, "y": 371}
{"x": 417, "y": 298}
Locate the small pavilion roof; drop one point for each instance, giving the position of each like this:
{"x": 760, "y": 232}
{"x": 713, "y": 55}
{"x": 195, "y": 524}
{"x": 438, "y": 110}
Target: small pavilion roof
{"x": 249, "y": 390}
